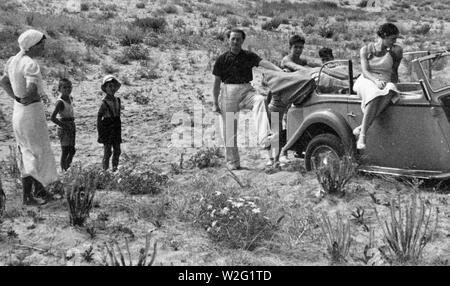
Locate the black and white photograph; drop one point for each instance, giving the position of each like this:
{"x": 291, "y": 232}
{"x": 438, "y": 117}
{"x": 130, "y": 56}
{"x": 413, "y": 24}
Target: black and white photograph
{"x": 234, "y": 134}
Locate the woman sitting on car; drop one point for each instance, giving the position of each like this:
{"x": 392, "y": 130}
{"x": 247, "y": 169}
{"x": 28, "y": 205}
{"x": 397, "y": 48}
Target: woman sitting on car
{"x": 376, "y": 85}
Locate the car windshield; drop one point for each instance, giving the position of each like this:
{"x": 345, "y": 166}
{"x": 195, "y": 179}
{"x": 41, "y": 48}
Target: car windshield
{"x": 437, "y": 70}
{"x": 406, "y": 71}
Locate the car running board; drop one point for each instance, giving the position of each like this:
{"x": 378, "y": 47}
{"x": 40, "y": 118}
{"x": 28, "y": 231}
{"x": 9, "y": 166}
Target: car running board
{"x": 421, "y": 174}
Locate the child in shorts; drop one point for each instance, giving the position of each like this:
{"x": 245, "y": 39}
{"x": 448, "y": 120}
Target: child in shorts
{"x": 109, "y": 125}
{"x": 65, "y": 121}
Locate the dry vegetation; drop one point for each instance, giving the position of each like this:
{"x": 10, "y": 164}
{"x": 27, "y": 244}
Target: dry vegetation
{"x": 198, "y": 212}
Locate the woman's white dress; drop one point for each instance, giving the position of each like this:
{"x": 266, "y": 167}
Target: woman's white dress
{"x": 381, "y": 67}
{"x": 29, "y": 123}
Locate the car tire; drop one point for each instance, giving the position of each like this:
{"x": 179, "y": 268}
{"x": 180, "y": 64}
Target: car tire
{"x": 323, "y": 145}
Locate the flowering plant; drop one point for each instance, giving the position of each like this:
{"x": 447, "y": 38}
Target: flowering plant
{"x": 236, "y": 222}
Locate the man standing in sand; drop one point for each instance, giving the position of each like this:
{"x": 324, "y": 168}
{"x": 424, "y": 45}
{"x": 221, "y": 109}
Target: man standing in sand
{"x": 234, "y": 70}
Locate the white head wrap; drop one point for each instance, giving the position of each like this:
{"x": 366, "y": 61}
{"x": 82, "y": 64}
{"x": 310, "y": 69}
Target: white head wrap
{"x": 28, "y": 39}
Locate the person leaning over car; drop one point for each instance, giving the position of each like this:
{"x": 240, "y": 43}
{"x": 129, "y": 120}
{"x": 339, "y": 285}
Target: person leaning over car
{"x": 234, "y": 70}
{"x": 376, "y": 85}
{"x": 293, "y": 61}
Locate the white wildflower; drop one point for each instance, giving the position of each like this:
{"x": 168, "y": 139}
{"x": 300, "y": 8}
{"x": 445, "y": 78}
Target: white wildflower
{"x": 217, "y": 193}
{"x": 209, "y": 207}
{"x": 237, "y": 205}
{"x": 224, "y": 211}
{"x": 214, "y": 223}
{"x": 256, "y": 211}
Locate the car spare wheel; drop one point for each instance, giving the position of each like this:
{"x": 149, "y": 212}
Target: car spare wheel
{"x": 323, "y": 148}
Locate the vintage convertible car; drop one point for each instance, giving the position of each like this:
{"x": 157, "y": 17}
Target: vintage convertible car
{"x": 411, "y": 138}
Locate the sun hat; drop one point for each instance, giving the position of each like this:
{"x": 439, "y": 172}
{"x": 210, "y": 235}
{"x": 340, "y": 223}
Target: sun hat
{"x": 110, "y": 78}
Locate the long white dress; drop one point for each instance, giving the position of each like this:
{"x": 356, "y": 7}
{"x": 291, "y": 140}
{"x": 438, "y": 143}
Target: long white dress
{"x": 29, "y": 123}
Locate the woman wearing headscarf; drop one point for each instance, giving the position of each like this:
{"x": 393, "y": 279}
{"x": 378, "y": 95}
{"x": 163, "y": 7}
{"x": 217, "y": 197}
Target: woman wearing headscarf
{"x": 22, "y": 80}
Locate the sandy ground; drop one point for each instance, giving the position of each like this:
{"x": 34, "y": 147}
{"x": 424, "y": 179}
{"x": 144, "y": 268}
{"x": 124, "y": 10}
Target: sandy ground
{"x": 43, "y": 236}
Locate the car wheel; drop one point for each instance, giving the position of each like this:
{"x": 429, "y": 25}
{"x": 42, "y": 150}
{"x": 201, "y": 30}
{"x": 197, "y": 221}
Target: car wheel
{"x": 321, "y": 149}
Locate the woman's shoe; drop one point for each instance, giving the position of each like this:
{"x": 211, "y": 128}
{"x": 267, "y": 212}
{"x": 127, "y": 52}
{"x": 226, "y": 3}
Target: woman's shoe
{"x": 361, "y": 144}
{"x": 357, "y": 131}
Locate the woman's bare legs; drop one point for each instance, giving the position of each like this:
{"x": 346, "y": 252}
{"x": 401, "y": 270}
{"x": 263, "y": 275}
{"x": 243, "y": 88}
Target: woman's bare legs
{"x": 385, "y": 101}
{"x": 373, "y": 110}
{"x": 368, "y": 118}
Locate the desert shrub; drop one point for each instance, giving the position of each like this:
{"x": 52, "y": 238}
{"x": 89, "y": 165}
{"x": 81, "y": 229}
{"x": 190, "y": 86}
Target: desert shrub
{"x": 326, "y": 31}
{"x": 9, "y": 5}
{"x": 334, "y": 175}
{"x": 309, "y": 21}
{"x": 274, "y": 23}
{"x": 232, "y": 21}
{"x": 204, "y": 158}
{"x": 155, "y": 24}
{"x": 81, "y": 185}
{"x": 362, "y": 3}
{"x": 408, "y": 231}
{"x": 130, "y": 36}
{"x": 84, "y": 6}
{"x": 140, "y": 5}
{"x": 8, "y": 37}
{"x": 108, "y": 7}
{"x": 179, "y": 23}
{"x": 10, "y": 167}
{"x": 146, "y": 73}
{"x": 237, "y": 222}
{"x": 134, "y": 52}
{"x": 422, "y": 29}
{"x": 170, "y": 9}
{"x": 109, "y": 68}
{"x": 144, "y": 182}
{"x": 112, "y": 257}
{"x": 246, "y": 23}
{"x": 338, "y": 238}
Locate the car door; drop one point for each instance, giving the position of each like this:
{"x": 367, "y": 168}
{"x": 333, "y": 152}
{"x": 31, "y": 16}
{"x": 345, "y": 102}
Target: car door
{"x": 402, "y": 135}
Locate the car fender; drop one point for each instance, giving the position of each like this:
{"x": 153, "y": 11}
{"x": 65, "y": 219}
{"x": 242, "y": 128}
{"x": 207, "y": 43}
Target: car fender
{"x": 330, "y": 118}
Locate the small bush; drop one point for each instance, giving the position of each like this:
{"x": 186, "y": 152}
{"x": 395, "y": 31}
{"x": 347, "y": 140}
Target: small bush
{"x": 140, "y": 5}
{"x": 132, "y": 36}
{"x": 246, "y": 23}
{"x": 421, "y": 29}
{"x": 135, "y": 52}
{"x": 274, "y": 23}
{"x": 118, "y": 258}
{"x": 10, "y": 167}
{"x": 309, "y": 21}
{"x": 408, "y": 231}
{"x": 84, "y": 7}
{"x": 204, "y": 158}
{"x": 109, "y": 68}
{"x": 81, "y": 186}
{"x": 235, "y": 222}
{"x": 179, "y": 23}
{"x": 338, "y": 238}
{"x": 155, "y": 24}
{"x": 170, "y": 9}
{"x": 108, "y": 7}
{"x": 335, "y": 175}
{"x": 132, "y": 182}
{"x": 326, "y": 31}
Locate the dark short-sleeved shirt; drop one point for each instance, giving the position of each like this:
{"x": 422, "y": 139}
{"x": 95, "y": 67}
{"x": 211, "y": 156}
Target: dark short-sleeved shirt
{"x": 236, "y": 69}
